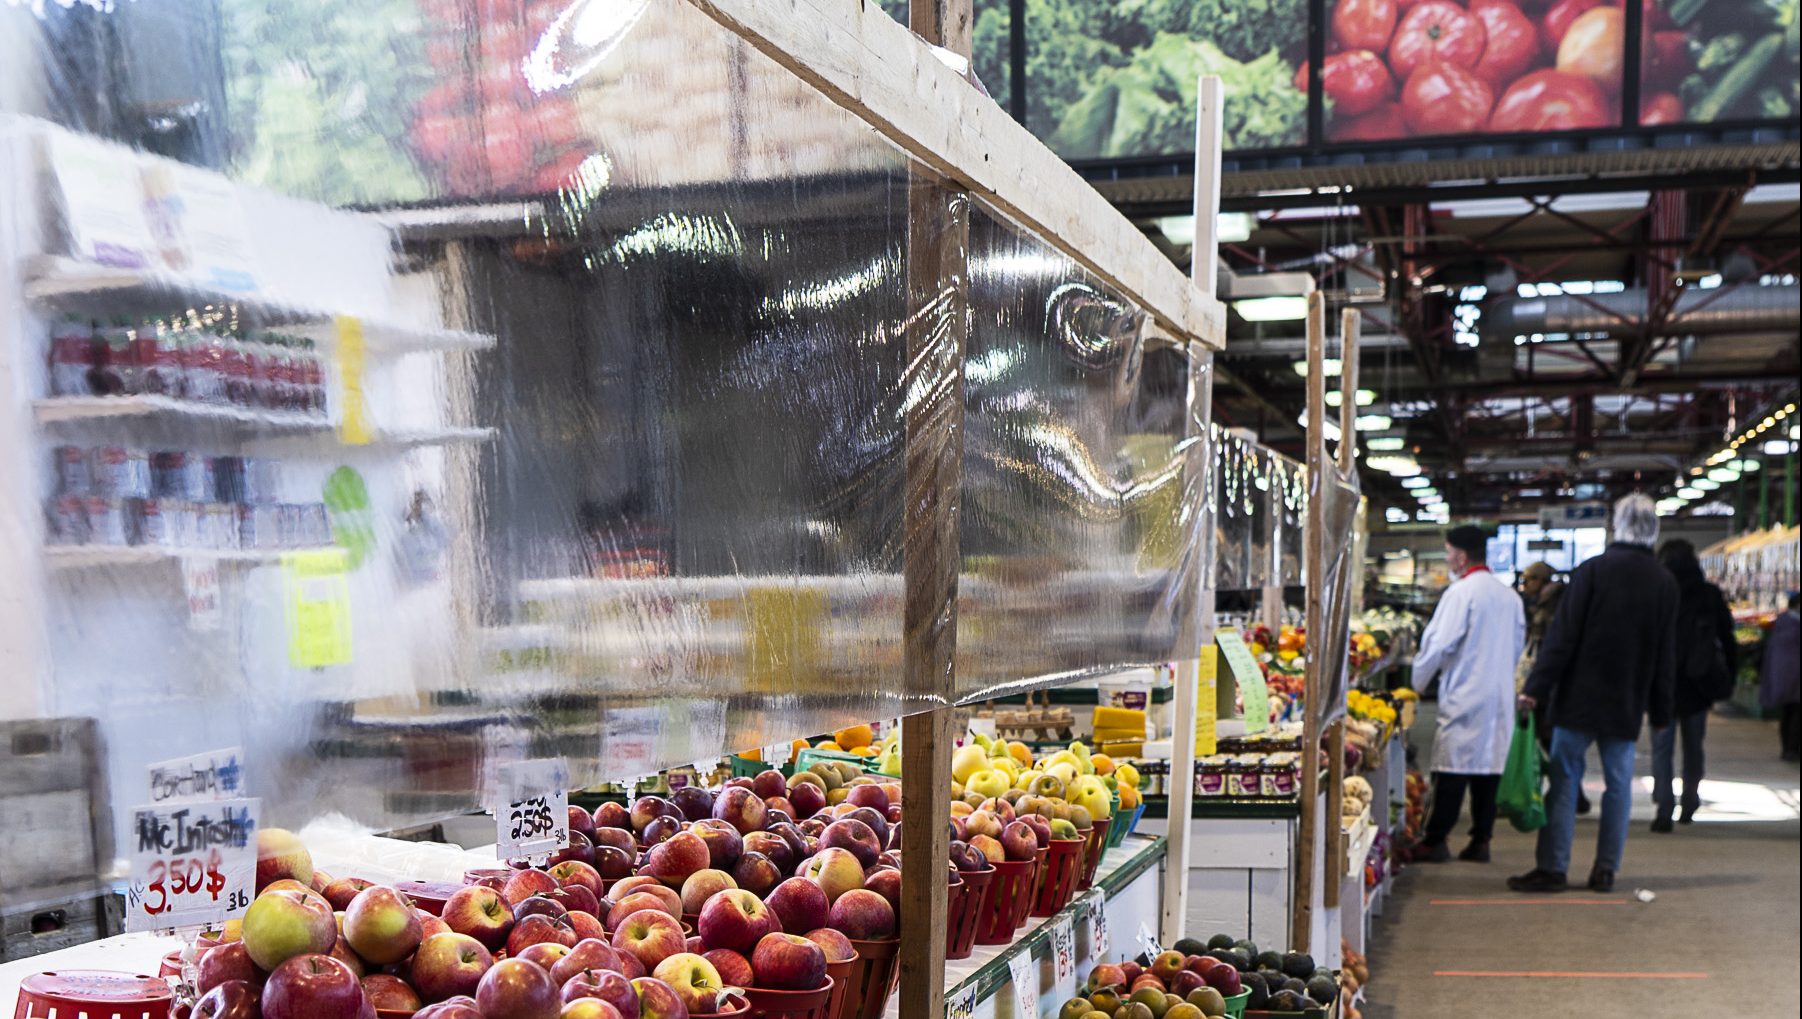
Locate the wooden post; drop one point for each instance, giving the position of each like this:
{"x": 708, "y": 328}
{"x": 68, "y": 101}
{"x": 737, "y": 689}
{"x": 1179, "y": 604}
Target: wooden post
{"x": 937, "y": 239}
{"x": 1306, "y": 858}
{"x": 1335, "y": 738}
{"x": 1203, "y": 258}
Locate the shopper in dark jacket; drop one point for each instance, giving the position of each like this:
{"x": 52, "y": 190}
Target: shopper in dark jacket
{"x": 1707, "y": 662}
{"x": 1780, "y": 681}
{"x": 1608, "y": 663}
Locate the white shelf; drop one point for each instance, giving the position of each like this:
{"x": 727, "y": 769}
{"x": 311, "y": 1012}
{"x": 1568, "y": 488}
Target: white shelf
{"x": 70, "y": 284}
{"x": 75, "y": 557}
{"x": 55, "y": 410}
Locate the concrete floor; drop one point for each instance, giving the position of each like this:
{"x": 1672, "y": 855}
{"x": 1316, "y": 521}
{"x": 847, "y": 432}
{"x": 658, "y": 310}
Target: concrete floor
{"x": 1720, "y": 938}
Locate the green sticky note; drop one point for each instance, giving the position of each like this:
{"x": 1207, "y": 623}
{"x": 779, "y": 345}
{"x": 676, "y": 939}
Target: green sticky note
{"x": 1249, "y": 677}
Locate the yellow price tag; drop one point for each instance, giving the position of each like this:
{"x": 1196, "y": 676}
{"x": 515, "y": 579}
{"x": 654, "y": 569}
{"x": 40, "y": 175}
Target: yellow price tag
{"x": 1207, "y": 708}
{"x": 316, "y": 593}
{"x": 353, "y": 419}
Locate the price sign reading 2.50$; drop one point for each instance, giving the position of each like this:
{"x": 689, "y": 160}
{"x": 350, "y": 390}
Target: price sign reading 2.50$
{"x": 533, "y": 819}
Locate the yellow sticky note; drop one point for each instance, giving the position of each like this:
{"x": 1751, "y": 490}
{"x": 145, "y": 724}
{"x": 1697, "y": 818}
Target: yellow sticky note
{"x": 1207, "y": 712}
{"x": 353, "y": 418}
{"x": 316, "y": 593}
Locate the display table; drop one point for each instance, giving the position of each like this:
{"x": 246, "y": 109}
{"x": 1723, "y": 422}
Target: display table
{"x": 1126, "y": 885}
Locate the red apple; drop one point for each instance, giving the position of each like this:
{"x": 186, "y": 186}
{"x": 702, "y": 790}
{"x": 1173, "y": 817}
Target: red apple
{"x": 581, "y": 820}
{"x": 481, "y": 913}
{"x": 517, "y": 989}
{"x": 658, "y": 1000}
{"x": 1130, "y": 971}
{"x": 645, "y": 809}
{"x": 574, "y": 898}
{"x": 863, "y": 915}
{"x": 701, "y": 886}
{"x": 539, "y": 905}
{"x": 340, "y": 892}
{"x": 539, "y": 929}
{"x": 612, "y": 988}
{"x": 233, "y": 999}
{"x": 546, "y": 953}
{"x": 736, "y": 919}
{"x": 525, "y": 884}
{"x": 574, "y": 872}
{"x": 382, "y": 925}
{"x": 281, "y": 854}
{"x": 1018, "y": 842}
{"x": 650, "y": 936}
{"x": 755, "y": 873}
{"x": 741, "y": 808}
{"x": 669, "y": 903}
{"x": 800, "y": 904}
{"x": 869, "y": 795}
{"x": 724, "y": 844}
{"x": 618, "y": 838}
{"x": 672, "y": 861}
{"x": 430, "y": 925}
{"x": 734, "y": 968}
{"x": 589, "y": 1008}
{"x": 768, "y": 783}
{"x": 386, "y": 991}
{"x": 807, "y": 799}
{"x": 789, "y": 962}
{"x": 230, "y": 961}
{"x": 282, "y": 924}
{"x": 1166, "y": 966}
{"x": 661, "y": 829}
{"x": 885, "y": 882}
{"x": 836, "y": 870}
{"x": 874, "y": 820}
{"x": 313, "y": 986}
{"x": 447, "y": 965}
{"x": 989, "y": 847}
{"x": 611, "y": 815}
{"x": 774, "y": 847}
{"x": 694, "y": 945}
{"x": 693, "y": 801}
{"x": 1186, "y": 981}
{"x": 612, "y": 863}
{"x": 586, "y": 925}
{"x": 589, "y": 954}
{"x": 778, "y": 805}
{"x": 579, "y": 850}
{"x": 461, "y": 1007}
{"x": 837, "y": 947}
{"x": 1106, "y": 974}
{"x": 694, "y": 980}
{"x": 626, "y": 885}
{"x": 629, "y": 965}
{"x": 342, "y": 952}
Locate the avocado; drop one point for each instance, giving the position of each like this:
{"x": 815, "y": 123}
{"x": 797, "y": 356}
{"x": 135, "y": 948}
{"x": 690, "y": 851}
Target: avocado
{"x": 1260, "y": 991}
{"x": 1298, "y": 986}
{"x": 1221, "y": 941}
{"x": 1249, "y": 947}
{"x": 1188, "y": 946}
{"x": 1298, "y": 964}
{"x": 1285, "y": 1001}
{"x": 1223, "y": 954}
{"x": 1270, "y": 960}
{"x": 1240, "y": 960}
{"x": 1323, "y": 988}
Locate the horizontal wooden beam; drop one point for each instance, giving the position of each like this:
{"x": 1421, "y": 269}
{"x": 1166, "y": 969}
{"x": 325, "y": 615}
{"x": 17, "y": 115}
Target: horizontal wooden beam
{"x": 862, "y": 60}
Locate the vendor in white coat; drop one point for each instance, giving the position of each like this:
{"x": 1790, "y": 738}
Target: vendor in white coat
{"x": 1472, "y": 644}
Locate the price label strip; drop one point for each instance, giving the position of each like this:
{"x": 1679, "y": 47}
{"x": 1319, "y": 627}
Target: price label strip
{"x": 1025, "y": 973}
{"x": 192, "y": 864}
{"x": 1063, "y": 954}
{"x": 962, "y": 1004}
{"x": 1249, "y": 677}
{"x": 533, "y": 819}
{"x": 1098, "y": 935}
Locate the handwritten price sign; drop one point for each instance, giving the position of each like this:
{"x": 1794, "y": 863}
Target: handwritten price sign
{"x": 534, "y": 820}
{"x": 192, "y": 864}
{"x": 1098, "y": 936}
{"x": 1025, "y": 973}
{"x": 1063, "y": 954}
{"x": 961, "y": 1004}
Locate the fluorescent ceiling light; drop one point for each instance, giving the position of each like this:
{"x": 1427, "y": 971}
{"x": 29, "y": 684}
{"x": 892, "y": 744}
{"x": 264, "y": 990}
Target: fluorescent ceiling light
{"x": 1724, "y": 474}
{"x": 1747, "y": 466}
{"x": 1400, "y": 466}
{"x": 1366, "y": 397}
{"x": 1772, "y": 447}
{"x": 1374, "y": 423}
{"x": 1416, "y": 482}
{"x": 1233, "y": 228}
{"x": 1385, "y": 443}
{"x": 1395, "y": 515}
{"x": 1272, "y": 309}
{"x": 1329, "y": 366}
{"x": 1689, "y": 493}
{"x": 1705, "y": 484}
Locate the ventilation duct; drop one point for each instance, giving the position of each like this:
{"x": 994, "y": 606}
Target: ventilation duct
{"x": 1697, "y": 312}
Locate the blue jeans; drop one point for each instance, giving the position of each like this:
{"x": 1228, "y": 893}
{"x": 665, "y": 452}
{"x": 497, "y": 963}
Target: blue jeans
{"x": 1664, "y": 753}
{"x": 1567, "y": 761}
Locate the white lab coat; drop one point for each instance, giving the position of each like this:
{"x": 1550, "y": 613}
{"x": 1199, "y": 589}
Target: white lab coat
{"x": 1474, "y": 639}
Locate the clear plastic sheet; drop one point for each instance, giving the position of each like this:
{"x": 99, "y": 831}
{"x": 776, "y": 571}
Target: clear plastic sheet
{"x": 1341, "y": 506}
{"x": 517, "y": 379}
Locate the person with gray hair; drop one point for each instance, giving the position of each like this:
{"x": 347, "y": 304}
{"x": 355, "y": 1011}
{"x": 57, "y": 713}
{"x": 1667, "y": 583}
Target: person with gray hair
{"x": 1608, "y": 662}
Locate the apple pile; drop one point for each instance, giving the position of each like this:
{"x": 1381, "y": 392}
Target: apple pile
{"x": 1069, "y": 785}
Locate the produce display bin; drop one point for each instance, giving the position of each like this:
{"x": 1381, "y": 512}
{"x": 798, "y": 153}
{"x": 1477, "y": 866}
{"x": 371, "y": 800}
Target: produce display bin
{"x": 1058, "y": 874}
{"x": 963, "y": 912}
{"x": 840, "y": 972}
{"x": 1235, "y": 1005}
{"x": 768, "y": 1003}
{"x": 93, "y": 994}
{"x": 1118, "y": 832}
{"x": 736, "y": 1008}
{"x": 1096, "y": 845}
{"x": 874, "y": 974}
{"x": 1009, "y": 898}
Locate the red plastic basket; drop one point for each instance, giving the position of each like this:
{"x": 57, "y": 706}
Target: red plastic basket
{"x": 840, "y": 972}
{"x": 427, "y": 895}
{"x": 963, "y": 910}
{"x": 874, "y": 974}
{"x": 1057, "y": 876}
{"x": 494, "y": 877}
{"x": 1004, "y": 907}
{"x": 767, "y": 1003}
{"x": 1097, "y": 844}
{"x": 93, "y": 993}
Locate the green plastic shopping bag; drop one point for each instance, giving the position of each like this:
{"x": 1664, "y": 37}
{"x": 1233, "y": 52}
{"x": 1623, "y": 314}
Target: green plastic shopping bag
{"x": 1520, "y": 798}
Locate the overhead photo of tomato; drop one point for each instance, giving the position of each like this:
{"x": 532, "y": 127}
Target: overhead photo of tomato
{"x": 1356, "y": 82}
{"x": 1552, "y": 100}
{"x": 1364, "y": 24}
{"x": 1380, "y": 124}
{"x": 1436, "y": 30}
{"x": 1510, "y": 41}
{"x": 1442, "y": 98}
{"x": 1593, "y": 46}
{"x": 1558, "y": 18}
{"x": 1660, "y": 108}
